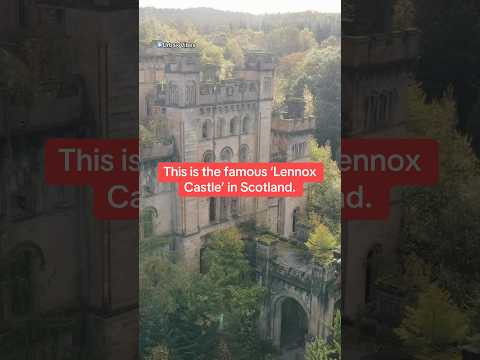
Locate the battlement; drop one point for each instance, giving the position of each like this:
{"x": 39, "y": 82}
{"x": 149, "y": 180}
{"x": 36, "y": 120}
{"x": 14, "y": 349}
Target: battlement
{"x": 183, "y": 61}
{"x": 151, "y": 52}
{"x": 227, "y": 91}
{"x": 258, "y": 60}
{"x": 292, "y": 126}
{"x": 381, "y": 49}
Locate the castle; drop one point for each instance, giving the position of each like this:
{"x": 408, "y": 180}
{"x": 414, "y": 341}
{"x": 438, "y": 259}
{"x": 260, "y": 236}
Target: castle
{"x": 204, "y": 120}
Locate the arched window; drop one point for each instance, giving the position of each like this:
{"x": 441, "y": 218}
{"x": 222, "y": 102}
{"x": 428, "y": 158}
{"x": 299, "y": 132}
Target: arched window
{"x": 234, "y": 126}
{"x": 191, "y": 93}
{"x": 207, "y": 129}
{"x": 295, "y": 218}
{"x": 244, "y": 154}
{"x": 172, "y": 94}
{"x": 212, "y": 209}
{"x": 220, "y": 127}
{"x": 208, "y": 156}
{"x": 148, "y": 227}
{"x": 226, "y": 154}
{"x": 246, "y": 125}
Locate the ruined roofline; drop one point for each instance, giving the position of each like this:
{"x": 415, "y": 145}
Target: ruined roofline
{"x": 226, "y": 82}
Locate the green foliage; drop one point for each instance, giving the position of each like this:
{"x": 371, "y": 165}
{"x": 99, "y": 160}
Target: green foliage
{"x": 324, "y": 202}
{"x": 404, "y": 14}
{"x": 210, "y": 21}
{"x": 323, "y": 78}
{"x": 232, "y": 291}
{"x": 336, "y": 340}
{"x": 16, "y": 79}
{"x": 318, "y": 70}
{"x": 322, "y": 243}
{"x": 317, "y": 350}
{"x": 441, "y": 222}
{"x": 160, "y": 353}
{"x": 434, "y": 326}
{"x": 234, "y": 52}
{"x": 226, "y": 251}
{"x": 192, "y": 316}
{"x": 169, "y": 315}
{"x": 331, "y": 348}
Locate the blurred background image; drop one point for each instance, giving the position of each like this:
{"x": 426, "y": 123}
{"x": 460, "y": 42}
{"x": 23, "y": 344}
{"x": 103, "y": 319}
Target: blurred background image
{"x": 410, "y": 284}
{"x": 68, "y": 281}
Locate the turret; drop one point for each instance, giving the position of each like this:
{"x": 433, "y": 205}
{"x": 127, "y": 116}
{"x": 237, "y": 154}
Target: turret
{"x": 183, "y": 61}
{"x": 258, "y": 60}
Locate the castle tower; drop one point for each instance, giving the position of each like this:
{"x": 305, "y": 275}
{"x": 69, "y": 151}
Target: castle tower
{"x": 259, "y": 68}
{"x": 213, "y": 120}
{"x": 291, "y": 134}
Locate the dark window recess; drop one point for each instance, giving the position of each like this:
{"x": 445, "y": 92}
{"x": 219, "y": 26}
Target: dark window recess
{"x": 59, "y": 16}
{"x": 22, "y": 13}
{"x": 212, "y": 213}
{"x": 21, "y": 284}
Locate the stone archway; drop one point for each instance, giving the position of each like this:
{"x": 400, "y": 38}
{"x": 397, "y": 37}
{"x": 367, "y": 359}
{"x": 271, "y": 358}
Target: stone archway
{"x": 290, "y": 322}
{"x": 294, "y": 325}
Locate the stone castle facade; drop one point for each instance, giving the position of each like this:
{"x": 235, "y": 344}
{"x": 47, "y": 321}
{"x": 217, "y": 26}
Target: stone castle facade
{"x": 204, "y": 120}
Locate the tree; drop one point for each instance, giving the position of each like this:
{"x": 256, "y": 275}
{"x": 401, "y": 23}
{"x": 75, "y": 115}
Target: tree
{"x": 440, "y": 223}
{"x": 233, "y": 52}
{"x": 322, "y": 243}
{"x": 331, "y": 348}
{"x": 317, "y": 350}
{"x": 404, "y": 14}
{"x": 184, "y": 315}
{"x": 306, "y": 40}
{"x": 233, "y": 292}
{"x": 324, "y": 200}
{"x": 168, "y": 321}
{"x": 433, "y": 326}
{"x": 160, "y": 352}
{"x": 323, "y": 77}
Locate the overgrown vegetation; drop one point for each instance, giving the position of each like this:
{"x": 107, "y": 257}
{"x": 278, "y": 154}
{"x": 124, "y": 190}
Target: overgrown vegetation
{"x": 440, "y": 227}
{"x": 331, "y": 348}
{"x": 185, "y": 315}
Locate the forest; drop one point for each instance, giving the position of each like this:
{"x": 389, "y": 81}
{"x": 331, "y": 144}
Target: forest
{"x": 214, "y": 315}
{"x": 305, "y": 46}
